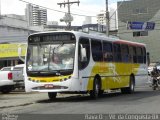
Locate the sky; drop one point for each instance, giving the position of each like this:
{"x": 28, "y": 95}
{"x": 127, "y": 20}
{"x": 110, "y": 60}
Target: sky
{"x": 86, "y": 7}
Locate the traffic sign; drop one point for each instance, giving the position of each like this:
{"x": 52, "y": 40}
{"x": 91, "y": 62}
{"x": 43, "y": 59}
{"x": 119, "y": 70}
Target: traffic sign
{"x": 141, "y": 25}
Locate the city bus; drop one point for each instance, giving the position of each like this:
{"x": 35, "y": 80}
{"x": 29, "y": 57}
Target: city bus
{"x": 77, "y": 62}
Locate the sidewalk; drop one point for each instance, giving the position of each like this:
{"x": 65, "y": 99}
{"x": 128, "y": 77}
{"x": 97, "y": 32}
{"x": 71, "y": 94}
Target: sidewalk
{"x": 14, "y": 99}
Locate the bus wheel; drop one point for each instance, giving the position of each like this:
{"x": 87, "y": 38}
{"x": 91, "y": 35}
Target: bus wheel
{"x": 101, "y": 92}
{"x": 52, "y": 95}
{"x": 96, "y": 89}
{"x": 130, "y": 89}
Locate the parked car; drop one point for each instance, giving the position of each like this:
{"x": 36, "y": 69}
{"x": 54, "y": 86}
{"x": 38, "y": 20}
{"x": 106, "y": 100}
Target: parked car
{"x": 6, "y": 82}
{"x": 19, "y": 72}
{"x": 11, "y": 78}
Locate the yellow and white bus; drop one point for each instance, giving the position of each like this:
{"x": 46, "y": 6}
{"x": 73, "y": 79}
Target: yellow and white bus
{"x": 76, "y": 62}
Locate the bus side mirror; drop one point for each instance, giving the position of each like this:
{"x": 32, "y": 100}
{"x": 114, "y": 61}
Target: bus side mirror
{"x": 20, "y": 53}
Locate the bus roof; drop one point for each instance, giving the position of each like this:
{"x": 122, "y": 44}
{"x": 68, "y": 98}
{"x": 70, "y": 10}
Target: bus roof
{"x": 95, "y": 36}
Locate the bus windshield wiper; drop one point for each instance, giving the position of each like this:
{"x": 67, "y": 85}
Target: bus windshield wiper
{"x": 60, "y": 45}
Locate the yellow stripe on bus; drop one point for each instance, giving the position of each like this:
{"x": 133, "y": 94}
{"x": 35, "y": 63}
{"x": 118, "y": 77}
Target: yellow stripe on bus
{"x": 113, "y": 75}
{"x": 49, "y": 79}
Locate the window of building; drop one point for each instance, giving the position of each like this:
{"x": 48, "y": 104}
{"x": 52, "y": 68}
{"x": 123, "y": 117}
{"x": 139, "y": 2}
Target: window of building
{"x": 140, "y": 33}
{"x": 140, "y": 10}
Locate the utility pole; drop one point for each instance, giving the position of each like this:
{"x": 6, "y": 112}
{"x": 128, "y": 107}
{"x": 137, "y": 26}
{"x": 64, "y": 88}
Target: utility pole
{"x": 69, "y": 10}
{"x": 107, "y": 19}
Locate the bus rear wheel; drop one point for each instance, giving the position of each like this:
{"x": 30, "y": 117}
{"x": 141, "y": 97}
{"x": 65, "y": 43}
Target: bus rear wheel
{"x": 130, "y": 89}
{"x": 52, "y": 95}
{"x": 96, "y": 89}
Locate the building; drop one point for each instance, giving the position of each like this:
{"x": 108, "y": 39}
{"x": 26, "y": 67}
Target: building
{"x": 88, "y": 20}
{"x": 52, "y": 23}
{"x": 13, "y": 28}
{"x": 14, "y": 32}
{"x": 35, "y": 15}
{"x": 140, "y": 13}
{"x": 101, "y": 19}
{"x": 113, "y": 19}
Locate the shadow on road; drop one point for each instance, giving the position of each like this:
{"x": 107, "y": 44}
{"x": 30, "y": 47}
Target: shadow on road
{"x": 107, "y": 97}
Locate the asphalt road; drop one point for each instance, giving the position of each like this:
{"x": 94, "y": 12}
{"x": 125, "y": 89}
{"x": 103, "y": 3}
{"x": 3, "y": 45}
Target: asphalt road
{"x": 143, "y": 101}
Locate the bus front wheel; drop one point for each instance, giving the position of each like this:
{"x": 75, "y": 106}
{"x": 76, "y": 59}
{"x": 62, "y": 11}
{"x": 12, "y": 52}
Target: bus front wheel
{"x": 52, "y": 95}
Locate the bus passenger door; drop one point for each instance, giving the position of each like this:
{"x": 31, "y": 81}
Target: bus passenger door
{"x": 83, "y": 63}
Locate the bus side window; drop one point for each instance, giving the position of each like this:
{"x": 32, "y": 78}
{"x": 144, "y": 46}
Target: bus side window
{"x": 125, "y": 53}
{"x": 107, "y": 51}
{"x": 144, "y": 55}
{"x": 83, "y": 53}
{"x": 117, "y": 52}
{"x": 134, "y": 55}
{"x": 97, "y": 50}
{"x": 130, "y": 54}
{"x": 140, "y": 55}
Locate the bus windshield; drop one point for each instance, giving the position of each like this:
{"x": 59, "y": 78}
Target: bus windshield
{"x": 49, "y": 57}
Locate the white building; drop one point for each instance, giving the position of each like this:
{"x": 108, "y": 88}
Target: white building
{"x": 14, "y": 31}
{"x": 88, "y": 20}
{"x": 113, "y": 19}
{"x": 52, "y": 23}
{"x": 101, "y": 19}
{"x": 35, "y": 15}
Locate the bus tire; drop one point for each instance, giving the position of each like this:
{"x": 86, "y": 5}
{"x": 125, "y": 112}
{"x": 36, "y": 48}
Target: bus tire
{"x": 52, "y": 95}
{"x": 154, "y": 87}
{"x": 96, "y": 89}
{"x": 130, "y": 89}
{"x": 101, "y": 92}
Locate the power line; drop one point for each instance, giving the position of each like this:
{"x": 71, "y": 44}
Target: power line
{"x": 69, "y": 12}
{"x": 82, "y": 15}
{"x": 116, "y": 9}
{"x": 55, "y": 9}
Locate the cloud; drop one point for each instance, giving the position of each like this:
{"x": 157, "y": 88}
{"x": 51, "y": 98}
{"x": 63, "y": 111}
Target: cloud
{"x": 12, "y": 7}
{"x": 113, "y": 6}
{"x": 93, "y": 2}
{"x": 86, "y": 7}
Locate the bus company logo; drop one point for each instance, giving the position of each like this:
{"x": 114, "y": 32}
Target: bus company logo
{"x": 8, "y": 116}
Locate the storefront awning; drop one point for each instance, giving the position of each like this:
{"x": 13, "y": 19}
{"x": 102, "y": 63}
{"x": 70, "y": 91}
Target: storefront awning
{"x": 11, "y": 50}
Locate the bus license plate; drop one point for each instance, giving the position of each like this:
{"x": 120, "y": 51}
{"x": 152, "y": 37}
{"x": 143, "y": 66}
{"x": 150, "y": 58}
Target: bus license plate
{"x": 48, "y": 86}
